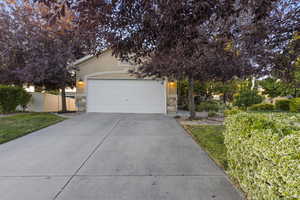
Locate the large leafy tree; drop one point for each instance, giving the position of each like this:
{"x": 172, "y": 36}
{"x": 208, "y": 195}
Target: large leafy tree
{"x": 275, "y": 87}
{"x": 34, "y": 52}
{"x": 185, "y": 39}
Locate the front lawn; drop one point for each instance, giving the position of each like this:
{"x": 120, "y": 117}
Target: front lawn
{"x": 210, "y": 138}
{"x": 21, "y": 124}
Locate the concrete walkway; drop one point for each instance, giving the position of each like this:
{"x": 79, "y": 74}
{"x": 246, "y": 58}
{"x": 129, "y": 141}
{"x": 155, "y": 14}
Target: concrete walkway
{"x": 111, "y": 157}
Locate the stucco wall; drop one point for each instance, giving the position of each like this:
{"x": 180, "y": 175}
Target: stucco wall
{"x": 107, "y": 66}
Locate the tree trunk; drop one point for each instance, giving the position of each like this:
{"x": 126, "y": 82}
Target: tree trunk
{"x": 191, "y": 98}
{"x": 63, "y": 100}
{"x": 224, "y": 97}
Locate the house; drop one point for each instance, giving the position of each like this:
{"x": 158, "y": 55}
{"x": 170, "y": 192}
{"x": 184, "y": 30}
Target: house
{"x": 105, "y": 85}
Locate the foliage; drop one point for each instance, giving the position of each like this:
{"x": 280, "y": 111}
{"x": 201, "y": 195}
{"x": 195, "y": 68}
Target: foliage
{"x": 208, "y": 106}
{"x": 262, "y": 107}
{"x": 231, "y": 111}
{"x": 226, "y": 89}
{"x": 210, "y": 138}
{"x": 263, "y": 154}
{"x": 25, "y": 98}
{"x": 282, "y": 104}
{"x": 275, "y": 87}
{"x": 246, "y": 98}
{"x": 11, "y": 97}
{"x": 295, "y": 105}
{"x": 194, "y": 40}
{"x": 287, "y": 65}
{"x": 202, "y": 91}
{"x": 21, "y": 124}
{"x": 34, "y": 52}
{"x": 212, "y": 114}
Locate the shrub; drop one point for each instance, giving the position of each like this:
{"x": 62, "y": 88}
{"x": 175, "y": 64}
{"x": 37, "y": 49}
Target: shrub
{"x": 295, "y": 105}
{"x": 24, "y": 99}
{"x": 212, "y": 114}
{"x": 263, "y": 152}
{"x": 282, "y": 104}
{"x": 232, "y": 111}
{"x": 262, "y": 107}
{"x": 11, "y": 97}
{"x": 208, "y": 106}
{"x": 247, "y": 98}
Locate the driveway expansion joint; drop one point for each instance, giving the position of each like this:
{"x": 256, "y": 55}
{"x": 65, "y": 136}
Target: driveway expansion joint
{"x": 88, "y": 157}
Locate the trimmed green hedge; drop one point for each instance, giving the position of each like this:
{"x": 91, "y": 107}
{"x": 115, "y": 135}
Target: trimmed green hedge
{"x": 263, "y": 152}
{"x": 208, "y": 106}
{"x": 11, "y": 97}
{"x": 282, "y": 104}
{"x": 295, "y": 105}
{"x": 262, "y": 107}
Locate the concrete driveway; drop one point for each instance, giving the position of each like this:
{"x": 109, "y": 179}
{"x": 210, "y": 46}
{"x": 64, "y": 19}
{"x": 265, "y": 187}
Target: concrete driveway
{"x": 111, "y": 157}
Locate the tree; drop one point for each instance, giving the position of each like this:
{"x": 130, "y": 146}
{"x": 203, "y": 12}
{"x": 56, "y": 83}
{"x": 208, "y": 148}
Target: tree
{"x": 226, "y": 89}
{"x": 247, "y": 95}
{"x": 33, "y": 52}
{"x": 182, "y": 39}
{"x": 275, "y": 87}
{"x": 287, "y": 67}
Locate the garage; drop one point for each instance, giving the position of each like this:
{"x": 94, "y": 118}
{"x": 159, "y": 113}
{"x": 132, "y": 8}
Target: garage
{"x": 126, "y": 96}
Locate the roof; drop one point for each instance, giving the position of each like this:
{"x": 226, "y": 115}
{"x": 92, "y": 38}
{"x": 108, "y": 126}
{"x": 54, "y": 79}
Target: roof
{"x": 83, "y": 59}
{"x": 87, "y": 57}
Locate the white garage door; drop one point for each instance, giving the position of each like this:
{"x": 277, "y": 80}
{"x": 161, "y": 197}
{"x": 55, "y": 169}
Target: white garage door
{"x": 126, "y": 96}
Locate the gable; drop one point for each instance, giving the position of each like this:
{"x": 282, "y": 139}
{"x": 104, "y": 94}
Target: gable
{"x": 105, "y": 62}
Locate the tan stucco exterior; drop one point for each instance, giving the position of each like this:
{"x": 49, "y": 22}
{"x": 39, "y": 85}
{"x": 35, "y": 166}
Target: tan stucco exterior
{"x": 106, "y": 66}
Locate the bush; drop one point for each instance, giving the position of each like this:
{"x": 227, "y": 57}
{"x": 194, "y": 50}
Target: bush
{"x": 209, "y": 106}
{"x": 232, "y": 111}
{"x": 262, "y": 107}
{"x": 282, "y": 104}
{"x": 212, "y": 114}
{"x": 24, "y": 99}
{"x": 263, "y": 152}
{"x": 11, "y": 97}
{"x": 295, "y": 105}
{"x": 247, "y": 98}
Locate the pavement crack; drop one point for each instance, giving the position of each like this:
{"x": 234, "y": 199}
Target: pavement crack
{"x": 88, "y": 157}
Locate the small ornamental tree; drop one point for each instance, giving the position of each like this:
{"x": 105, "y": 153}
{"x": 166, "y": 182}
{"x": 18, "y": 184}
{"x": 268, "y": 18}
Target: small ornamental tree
{"x": 34, "y": 52}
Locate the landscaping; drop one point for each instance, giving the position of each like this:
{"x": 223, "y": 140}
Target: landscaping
{"x": 259, "y": 151}
{"x": 211, "y": 139}
{"x": 263, "y": 153}
{"x": 18, "y": 125}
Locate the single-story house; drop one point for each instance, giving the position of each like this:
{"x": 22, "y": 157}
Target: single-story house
{"x": 104, "y": 84}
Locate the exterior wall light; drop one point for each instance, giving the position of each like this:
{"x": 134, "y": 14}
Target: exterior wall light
{"x": 172, "y": 84}
{"x": 80, "y": 82}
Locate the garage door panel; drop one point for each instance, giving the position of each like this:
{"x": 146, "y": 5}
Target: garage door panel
{"x": 126, "y": 96}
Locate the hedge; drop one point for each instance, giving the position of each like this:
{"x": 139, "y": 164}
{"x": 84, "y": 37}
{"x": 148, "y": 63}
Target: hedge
{"x": 264, "y": 154}
{"x": 208, "y": 106}
{"x": 11, "y": 97}
{"x": 282, "y": 104}
{"x": 262, "y": 107}
{"x": 295, "y": 105}
{"x": 232, "y": 111}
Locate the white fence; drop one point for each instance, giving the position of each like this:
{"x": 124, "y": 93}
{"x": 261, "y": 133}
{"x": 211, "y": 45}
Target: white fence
{"x": 42, "y": 102}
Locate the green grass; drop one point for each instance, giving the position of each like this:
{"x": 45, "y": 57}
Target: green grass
{"x": 21, "y": 124}
{"x": 210, "y": 138}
